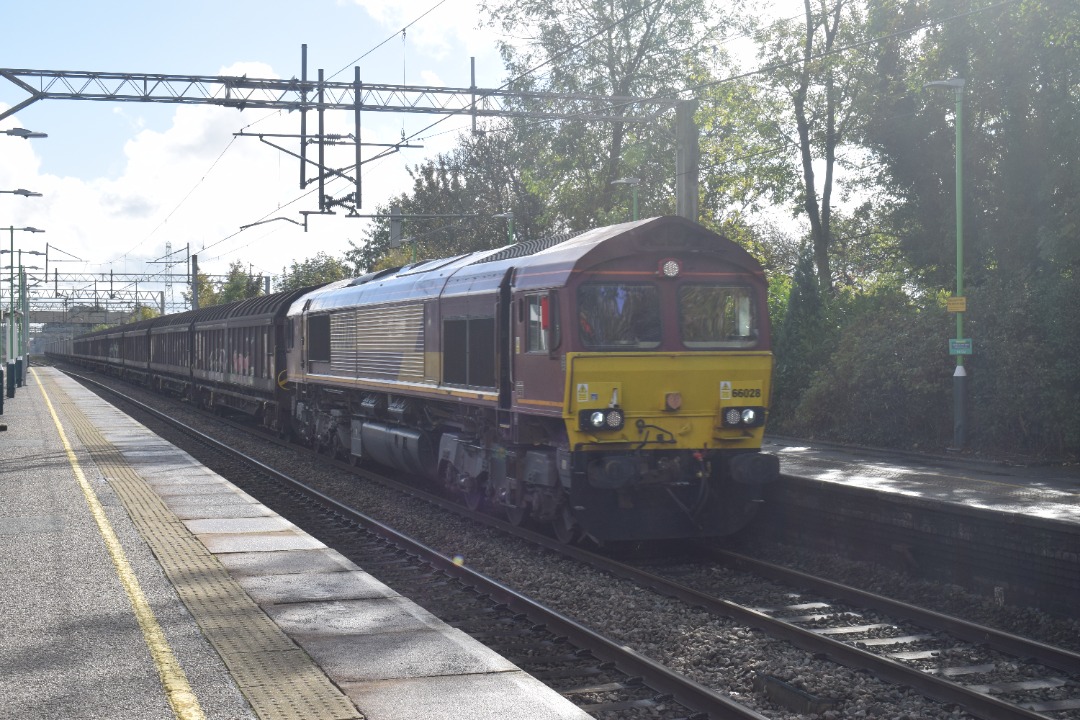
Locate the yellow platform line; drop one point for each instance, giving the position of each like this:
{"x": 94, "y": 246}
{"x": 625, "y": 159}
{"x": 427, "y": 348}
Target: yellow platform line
{"x": 175, "y": 683}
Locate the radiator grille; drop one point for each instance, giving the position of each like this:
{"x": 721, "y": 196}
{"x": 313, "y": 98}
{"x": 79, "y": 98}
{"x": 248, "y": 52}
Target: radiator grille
{"x": 381, "y": 342}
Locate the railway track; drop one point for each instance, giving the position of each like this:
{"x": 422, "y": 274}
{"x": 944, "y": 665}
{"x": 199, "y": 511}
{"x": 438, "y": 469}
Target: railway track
{"x": 600, "y": 675}
{"x": 990, "y": 674}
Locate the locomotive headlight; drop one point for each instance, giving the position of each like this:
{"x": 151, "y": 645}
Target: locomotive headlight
{"x": 746, "y": 417}
{"x": 608, "y": 419}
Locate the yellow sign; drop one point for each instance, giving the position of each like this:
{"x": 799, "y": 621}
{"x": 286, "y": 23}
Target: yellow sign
{"x": 956, "y": 304}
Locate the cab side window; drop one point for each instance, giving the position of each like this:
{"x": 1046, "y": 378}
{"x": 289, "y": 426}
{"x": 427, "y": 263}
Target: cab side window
{"x": 537, "y": 321}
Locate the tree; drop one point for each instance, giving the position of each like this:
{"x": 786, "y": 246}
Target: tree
{"x": 318, "y": 270}
{"x": 239, "y": 285}
{"x": 802, "y": 341}
{"x": 208, "y": 294}
{"x": 821, "y": 85}
{"x": 144, "y": 312}
{"x": 1021, "y": 133}
{"x": 745, "y": 163}
{"x": 465, "y": 188}
{"x": 610, "y": 48}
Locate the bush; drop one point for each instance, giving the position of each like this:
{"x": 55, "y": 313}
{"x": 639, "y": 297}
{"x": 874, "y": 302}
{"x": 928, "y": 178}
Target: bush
{"x": 888, "y": 382}
{"x": 1026, "y": 380}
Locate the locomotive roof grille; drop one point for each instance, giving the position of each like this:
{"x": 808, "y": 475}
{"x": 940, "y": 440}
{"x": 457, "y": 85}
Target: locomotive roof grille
{"x": 524, "y": 249}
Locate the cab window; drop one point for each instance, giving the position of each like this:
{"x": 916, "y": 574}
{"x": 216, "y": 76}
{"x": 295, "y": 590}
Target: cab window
{"x": 619, "y": 316}
{"x": 717, "y": 316}
{"x": 537, "y": 319}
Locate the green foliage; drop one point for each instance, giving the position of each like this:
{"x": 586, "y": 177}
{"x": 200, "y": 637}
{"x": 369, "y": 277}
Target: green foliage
{"x": 888, "y": 381}
{"x": 802, "y": 341}
{"x": 858, "y": 317}
{"x": 596, "y": 47}
{"x": 1020, "y": 133}
{"x": 144, "y": 312}
{"x": 745, "y": 161}
{"x": 208, "y": 294}
{"x": 317, "y": 270}
{"x": 239, "y": 285}
{"x": 467, "y": 188}
{"x": 810, "y": 100}
{"x": 1025, "y": 381}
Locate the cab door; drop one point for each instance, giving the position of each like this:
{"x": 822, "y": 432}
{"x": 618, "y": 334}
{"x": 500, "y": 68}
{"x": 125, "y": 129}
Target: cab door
{"x": 538, "y": 375}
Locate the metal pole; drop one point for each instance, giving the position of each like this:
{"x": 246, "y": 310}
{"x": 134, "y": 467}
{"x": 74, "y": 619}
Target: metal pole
{"x": 322, "y": 146}
{"x": 11, "y": 322}
{"x": 24, "y": 291}
{"x": 303, "y": 117}
{"x": 959, "y": 375}
{"x": 687, "y": 160}
{"x": 194, "y": 282}
{"x": 359, "y": 97}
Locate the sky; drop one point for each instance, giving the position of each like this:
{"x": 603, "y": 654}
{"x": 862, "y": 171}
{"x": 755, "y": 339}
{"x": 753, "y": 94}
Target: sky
{"x": 121, "y": 181}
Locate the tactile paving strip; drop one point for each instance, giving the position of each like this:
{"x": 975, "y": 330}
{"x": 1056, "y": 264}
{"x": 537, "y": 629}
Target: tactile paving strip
{"x": 278, "y": 678}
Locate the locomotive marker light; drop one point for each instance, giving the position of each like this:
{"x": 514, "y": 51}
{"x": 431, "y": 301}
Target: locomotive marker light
{"x": 669, "y": 268}
{"x": 744, "y": 417}
{"x": 959, "y": 375}
{"x": 609, "y": 419}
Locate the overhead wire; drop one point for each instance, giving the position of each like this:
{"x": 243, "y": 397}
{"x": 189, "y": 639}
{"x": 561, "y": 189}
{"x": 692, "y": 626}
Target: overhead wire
{"x": 182, "y": 200}
{"x": 761, "y": 70}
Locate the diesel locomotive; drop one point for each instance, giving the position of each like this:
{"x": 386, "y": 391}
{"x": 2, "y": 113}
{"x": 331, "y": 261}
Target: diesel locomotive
{"x": 613, "y": 385}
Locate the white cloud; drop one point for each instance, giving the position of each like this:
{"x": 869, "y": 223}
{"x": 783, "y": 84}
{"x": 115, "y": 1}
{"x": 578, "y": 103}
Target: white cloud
{"x": 449, "y": 25}
{"x": 183, "y": 178}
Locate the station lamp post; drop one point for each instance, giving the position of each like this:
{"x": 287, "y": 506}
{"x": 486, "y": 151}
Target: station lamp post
{"x": 958, "y": 304}
{"x": 20, "y": 191}
{"x": 12, "y": 370}
{"x": 508, "y": 216}
{"x": 633, "y": 183}
{"x": 23, "y": 133}
{"x": 24, "y": 304}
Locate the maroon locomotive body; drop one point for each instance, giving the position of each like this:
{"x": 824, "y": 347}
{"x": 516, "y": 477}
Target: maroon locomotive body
{"x": 613, "y": 384}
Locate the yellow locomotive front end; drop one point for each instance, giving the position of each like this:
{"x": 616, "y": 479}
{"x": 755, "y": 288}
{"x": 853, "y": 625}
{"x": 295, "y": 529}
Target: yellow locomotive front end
{"x": 667, "y": 382}
{"x": 667, "y": 445}
{"x": 675, "y": 401}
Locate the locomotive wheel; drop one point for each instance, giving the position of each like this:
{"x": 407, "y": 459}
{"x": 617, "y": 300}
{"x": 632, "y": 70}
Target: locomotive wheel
{"x": 474, "y": 499}
{"x": 516, "y": 515}
{"x": 566, "y": 528}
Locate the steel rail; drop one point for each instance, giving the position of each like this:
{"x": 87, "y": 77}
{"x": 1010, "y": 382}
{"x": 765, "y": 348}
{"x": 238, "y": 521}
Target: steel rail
{"x": 682, "y": 689}
{"x": 932, "y": 686}
{"x": 1055, "y": 657}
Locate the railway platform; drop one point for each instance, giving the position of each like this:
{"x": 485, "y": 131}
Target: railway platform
{"x": 136, "y": 583}
{"x": 1050, "y": 492}
{"x": 1010, "y": 532}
